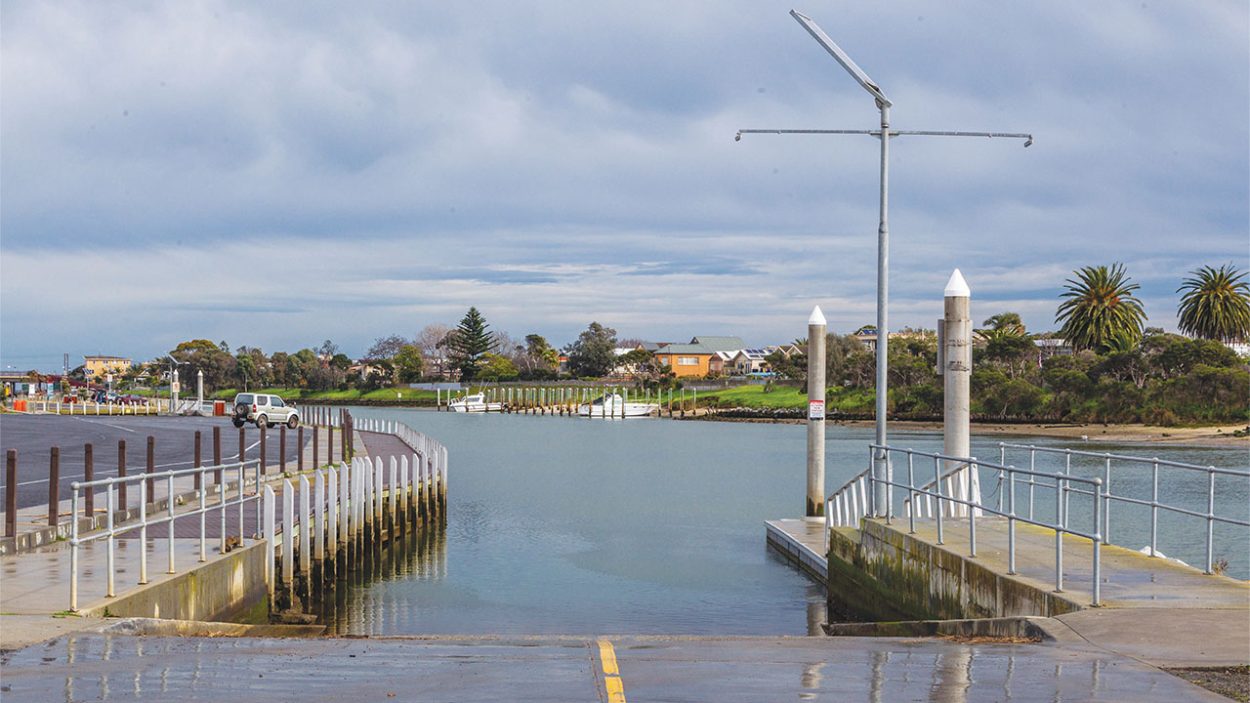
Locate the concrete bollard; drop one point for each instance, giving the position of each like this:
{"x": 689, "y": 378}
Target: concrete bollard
{"x": 816, "y": 413}
{"x": 956, "y": 369}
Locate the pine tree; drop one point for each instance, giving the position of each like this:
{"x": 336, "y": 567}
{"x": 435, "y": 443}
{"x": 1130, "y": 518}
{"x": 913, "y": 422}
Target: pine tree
{"x": 468, "y": 343}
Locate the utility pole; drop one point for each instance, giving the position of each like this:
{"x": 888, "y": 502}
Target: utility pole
{"x": 881, "y": 468}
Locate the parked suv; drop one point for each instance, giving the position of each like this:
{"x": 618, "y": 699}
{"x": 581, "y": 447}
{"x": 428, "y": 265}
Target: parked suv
{"x": 263, "y": 410}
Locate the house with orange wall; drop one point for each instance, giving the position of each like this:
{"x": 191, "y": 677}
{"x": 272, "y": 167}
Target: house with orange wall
{"x": 685, "y": 360}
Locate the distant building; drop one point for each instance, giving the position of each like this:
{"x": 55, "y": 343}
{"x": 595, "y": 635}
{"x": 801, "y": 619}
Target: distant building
{"x": 749, "y": 361}
{"x": 1051, "y": 346}
{"x": 97, "y": 367}
{"x": 725, "y": 344}
{"x": 1241, "y": 349}
{"x": 686, "y": 360}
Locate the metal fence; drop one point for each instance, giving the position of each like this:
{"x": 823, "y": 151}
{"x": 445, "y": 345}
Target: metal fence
{"x": 146, "y": 406}
{"x": 226, "y": 499}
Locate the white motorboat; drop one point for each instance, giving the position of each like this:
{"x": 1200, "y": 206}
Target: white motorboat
{"x": 475, "y": 403}
{"x": 613, "y": 405}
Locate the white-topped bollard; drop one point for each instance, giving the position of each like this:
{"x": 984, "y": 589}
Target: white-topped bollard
{"x": 816, "y": 413}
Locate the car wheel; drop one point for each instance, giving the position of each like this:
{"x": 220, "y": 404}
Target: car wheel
{"x": 237, "y": 423}
{"x": 262, "y": 422}
{"x": 292, "y": 421}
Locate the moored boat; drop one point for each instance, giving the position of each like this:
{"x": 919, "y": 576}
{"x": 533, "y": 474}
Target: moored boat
{"x": 475, "y": 403}
{"x": 614, "y": 405}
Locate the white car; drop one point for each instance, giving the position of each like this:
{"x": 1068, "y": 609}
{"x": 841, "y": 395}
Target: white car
{"x": 263, "y": 410}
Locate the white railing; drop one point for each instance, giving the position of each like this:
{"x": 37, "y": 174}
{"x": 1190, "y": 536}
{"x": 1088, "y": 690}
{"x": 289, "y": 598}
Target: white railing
{"x": 201, "y": 508}
{"x": 148, "y": 406}
{"x": 1135, "y": 467}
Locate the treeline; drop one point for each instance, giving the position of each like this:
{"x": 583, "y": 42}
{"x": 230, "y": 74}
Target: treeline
{"x": 1165, "y": 379}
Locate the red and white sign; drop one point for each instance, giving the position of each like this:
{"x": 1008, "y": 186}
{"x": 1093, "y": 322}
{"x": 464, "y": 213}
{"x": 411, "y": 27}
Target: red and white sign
{"x": 815, "y": 409}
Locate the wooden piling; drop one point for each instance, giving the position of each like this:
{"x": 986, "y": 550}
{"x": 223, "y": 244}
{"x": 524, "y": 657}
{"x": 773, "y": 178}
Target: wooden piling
{"x": 88, "y": 475}
{"x": 299, "y": 443}
{"x": 10, "y": 493}
{"x": 217, "y": 453}
{"x": 195, "y": 458}
{"x": 121, "y": 473}
{"x": 282, "y": 449}
{"x": 54, "y": 485}
{"x": 264, "y": 433}
{"x": 151, "y": 468}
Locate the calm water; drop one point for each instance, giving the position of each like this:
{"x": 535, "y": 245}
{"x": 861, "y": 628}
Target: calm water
{"x": 561, "y": 525}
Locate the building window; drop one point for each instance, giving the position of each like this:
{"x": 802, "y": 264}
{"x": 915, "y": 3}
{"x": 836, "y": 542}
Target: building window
{"x": 687, "y": 361}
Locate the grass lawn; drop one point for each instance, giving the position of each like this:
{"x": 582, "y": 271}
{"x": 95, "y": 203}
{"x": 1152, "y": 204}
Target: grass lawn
{"x": 399, "y": 395}
{"x": 843, "y": 399}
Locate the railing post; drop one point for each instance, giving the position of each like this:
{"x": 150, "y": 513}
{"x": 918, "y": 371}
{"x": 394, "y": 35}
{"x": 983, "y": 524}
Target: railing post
{"x": 305, "y": 529}
{"x": 1106, "y": 508}
{"x": 1011, "y": 521}
{"x": 143, "y": 532}
{"x": 10, "y": 493}
{"x": 1210, "y": 519}
{"x": 264, "y": 432}
{"x": 319, "y": 516}
{"x": 203, "y": 496}
{"x": 972, "y": 510}
{"x": 109, "y": 508}
{"x": 88, "y": 475}
{"x": 911, "y": 494}
{"x": 1154, "y": 508}
{"x": 1097, "y": 571}
{"x": 288, "y": 533}
{"x": 267, "y": 529}
{"x": 1059, "y": 528}
{"x": 1032, "y": 477}
{"x": 937, "y": 487}
{"x": 73, "y": 547}
{"x": 221, "y": 502}
{"x": 169, "y": 487}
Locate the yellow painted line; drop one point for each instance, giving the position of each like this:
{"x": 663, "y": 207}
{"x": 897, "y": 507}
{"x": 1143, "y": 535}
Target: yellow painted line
{"x": 608, "y": 655}
{"x": 611, "y": 673}
{"x": 616, "y": 692}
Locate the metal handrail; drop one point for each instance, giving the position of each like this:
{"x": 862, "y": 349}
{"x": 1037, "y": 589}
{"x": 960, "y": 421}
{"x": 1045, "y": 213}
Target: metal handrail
{"x": 975, "y": 508}
{"x": 1155, "y": 504}
{"x": 170, "y": 515}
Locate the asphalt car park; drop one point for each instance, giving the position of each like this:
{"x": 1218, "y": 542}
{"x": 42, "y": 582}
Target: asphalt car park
{"x": 33, "y": 436}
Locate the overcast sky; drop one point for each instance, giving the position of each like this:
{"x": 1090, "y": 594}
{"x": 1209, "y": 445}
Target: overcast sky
{"x": 275, "y": 174}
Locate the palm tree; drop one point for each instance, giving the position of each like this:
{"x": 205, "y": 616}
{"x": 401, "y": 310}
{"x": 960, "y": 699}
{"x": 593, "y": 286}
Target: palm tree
{"x": 1216, "y": 304}
{"x": 1100, "y": 311}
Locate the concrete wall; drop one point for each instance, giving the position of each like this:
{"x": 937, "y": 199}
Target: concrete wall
{"x": 231, "y": 588}
{"x": 882, "y": 573}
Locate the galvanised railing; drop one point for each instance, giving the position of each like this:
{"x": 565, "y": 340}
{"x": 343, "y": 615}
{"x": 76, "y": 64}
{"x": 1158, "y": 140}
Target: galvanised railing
{"x": 857, "y": 495}
{"x": 239, "y": 470}
{"x": 1137, "y": 465}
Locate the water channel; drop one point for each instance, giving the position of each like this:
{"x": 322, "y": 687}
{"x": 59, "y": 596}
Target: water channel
{"x": 577, "y": 526}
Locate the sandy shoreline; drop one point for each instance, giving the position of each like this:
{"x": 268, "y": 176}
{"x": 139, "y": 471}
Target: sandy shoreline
{"x": 1219, "y": 436}
{"x": 1214, "y": 436}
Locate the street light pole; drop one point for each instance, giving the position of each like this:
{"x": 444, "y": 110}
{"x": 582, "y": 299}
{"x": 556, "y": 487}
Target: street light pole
{"x": 881, "y": 468}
